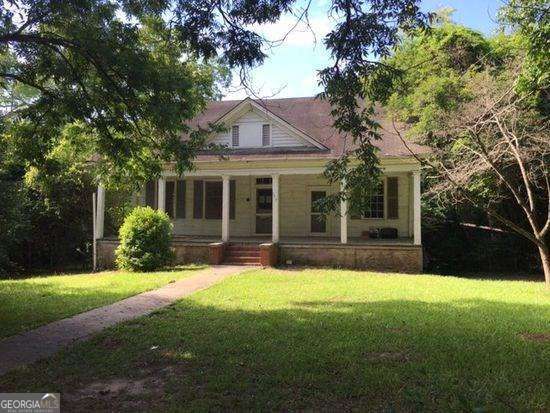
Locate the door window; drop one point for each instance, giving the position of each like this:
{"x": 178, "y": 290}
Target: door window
{"x": 318, "y": 220}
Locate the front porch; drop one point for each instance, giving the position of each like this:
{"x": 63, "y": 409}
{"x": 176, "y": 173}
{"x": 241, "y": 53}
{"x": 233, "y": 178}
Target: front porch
{"x": 390, "y": 255}
{"x": 228, "y": 203}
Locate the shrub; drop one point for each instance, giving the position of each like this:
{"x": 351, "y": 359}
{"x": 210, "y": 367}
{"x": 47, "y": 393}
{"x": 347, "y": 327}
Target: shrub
{"x": 145, "y": 239}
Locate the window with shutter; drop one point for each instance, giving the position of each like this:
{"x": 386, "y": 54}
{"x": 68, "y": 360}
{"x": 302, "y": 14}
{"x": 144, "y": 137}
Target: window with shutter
{"x": 235, "y": 135}
{"x": 197, "y": 199}
{"x": 180, "y": 199}
{"x": 266, "y": 135}
{"x": 393, "y": 197}
{"x": 213, "y": 200}
{"x": 169, "y": 199}
{"x": 376, "y": 209}
{"x": 150, "y": 194}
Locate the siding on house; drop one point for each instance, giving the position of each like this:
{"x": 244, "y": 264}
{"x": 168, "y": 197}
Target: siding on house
{"x": 294, "y": 209}
{"x": 250, "y": 133}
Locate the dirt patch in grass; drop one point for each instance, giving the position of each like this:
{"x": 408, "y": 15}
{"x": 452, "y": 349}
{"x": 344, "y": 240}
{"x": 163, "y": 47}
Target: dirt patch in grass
{"x": 538, "y": 337}
{"x": 122, "y": 393}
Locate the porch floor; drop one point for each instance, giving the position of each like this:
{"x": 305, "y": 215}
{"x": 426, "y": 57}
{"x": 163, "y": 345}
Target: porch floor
{"x": 295, "y": 240}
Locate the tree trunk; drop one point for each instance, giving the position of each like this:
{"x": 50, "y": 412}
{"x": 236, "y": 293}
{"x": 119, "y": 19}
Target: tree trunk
{"x": 545, "y": 259}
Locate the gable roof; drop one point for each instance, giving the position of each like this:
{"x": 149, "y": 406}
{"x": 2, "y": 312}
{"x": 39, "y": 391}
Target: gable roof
{"x": 247, "y": 103}
{"x": 312, "y": 118}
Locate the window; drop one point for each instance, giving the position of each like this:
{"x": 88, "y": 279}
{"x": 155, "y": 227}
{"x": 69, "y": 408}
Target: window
{"x": 264, "y": 181}
{"x": 318, "y": 219}
{"x": 174, "y": 203}
{"x": 151, "y": 194}
{"x": 213, "y": 200}
{"x": 264, "y": 210}
{"x": 266, "y": 135}
{"x": 208, "y": 198}
{"x": 235, "y": 135}
{"x": 376, "y": 209}
{"x": 264, "y": 200}
{"x": 169, "y": 198}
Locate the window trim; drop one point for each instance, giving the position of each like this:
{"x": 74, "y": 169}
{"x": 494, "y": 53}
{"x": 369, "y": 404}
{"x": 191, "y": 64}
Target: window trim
{"x": 175, "y": 199}
{"x": 232, "y": 217}
{"x": 384, "y": 207}
{"x": 270, "y": 137}
{"x": 237, "y": 126}
{"x": 328, "y": 217}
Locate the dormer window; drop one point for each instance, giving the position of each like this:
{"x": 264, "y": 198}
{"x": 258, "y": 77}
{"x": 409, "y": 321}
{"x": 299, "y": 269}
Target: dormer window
{"x": 266, "y": 135}
{"x": 235, "y": 135}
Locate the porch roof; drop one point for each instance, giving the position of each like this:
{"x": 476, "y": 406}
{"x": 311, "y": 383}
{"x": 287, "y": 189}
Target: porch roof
{"x": 311, "y": 240}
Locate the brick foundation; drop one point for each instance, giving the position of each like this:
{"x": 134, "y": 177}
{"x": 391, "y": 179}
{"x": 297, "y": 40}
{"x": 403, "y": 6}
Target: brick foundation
{"x": 269, "y": 254}
{"x": 184, "y": 253}
{"x": 216, "y": 253}
{"x": 391, "y": 258}
{"x": 396, "y": 258}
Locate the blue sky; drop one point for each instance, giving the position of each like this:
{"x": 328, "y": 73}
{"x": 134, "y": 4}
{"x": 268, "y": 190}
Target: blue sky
{"x": 290, "y": 69}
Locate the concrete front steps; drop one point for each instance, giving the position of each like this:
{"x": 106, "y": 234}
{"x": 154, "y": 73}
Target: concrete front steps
{"x": 242, "y": 254}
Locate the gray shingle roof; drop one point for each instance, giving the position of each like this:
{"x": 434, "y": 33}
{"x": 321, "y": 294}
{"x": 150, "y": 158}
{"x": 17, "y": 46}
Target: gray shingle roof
{"x": 311, "y": 116}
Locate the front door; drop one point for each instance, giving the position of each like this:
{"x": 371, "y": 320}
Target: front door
{"x": 318, "y": 221}
{"x": 264, "y": 210}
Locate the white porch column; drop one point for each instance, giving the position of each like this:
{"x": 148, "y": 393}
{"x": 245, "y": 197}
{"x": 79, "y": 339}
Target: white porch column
{"x": 343, "y": 216}
{"x": 275, "y": 210}
{"x": 416, "y": 208}
{"x": 161, "y": 194}
{"x": 100, "y": 212}
{"x": 225, "y": 208}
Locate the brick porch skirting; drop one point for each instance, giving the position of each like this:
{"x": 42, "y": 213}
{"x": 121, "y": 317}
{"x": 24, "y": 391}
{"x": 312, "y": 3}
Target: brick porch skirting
{"x": 394, "y": 258}
{"x": 391, "y": 258}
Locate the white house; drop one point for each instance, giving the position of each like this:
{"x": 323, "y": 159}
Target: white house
{"x": 263, "y": 192}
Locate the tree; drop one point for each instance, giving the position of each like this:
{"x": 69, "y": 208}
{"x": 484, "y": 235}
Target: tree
{"x": 497, "y": 140}
{"x": 90, "y": 65}
{"x": 464, "y": 96}
{"x": 531, "y": 19}
{"x": 129, "y": 83}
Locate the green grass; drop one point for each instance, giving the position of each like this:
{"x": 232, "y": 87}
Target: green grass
{"x": 30, "y": 302}
{"x": 318, "y": 340}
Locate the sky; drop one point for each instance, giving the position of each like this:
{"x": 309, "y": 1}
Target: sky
{"x": 290, "y": 69}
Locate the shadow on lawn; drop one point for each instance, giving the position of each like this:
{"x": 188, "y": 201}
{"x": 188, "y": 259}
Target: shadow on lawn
{"x": 26, "y": 304}
{"x": 315, "y": 355}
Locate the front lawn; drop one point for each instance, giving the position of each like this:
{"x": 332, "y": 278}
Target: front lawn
{"x": 317, "y": 340}
{"x": 30, "y": 302}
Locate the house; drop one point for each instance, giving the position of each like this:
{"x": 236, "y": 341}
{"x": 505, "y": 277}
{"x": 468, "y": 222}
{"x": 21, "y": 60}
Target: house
{"x": 258, "y": 201}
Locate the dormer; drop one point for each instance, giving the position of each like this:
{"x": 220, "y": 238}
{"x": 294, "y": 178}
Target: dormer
{"x": 249, "y": 125}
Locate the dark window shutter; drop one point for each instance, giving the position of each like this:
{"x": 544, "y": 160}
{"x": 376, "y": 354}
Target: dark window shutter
{"x": 393, "y": 197}
{"x": 150, "y": 193}
{"x": 213, "y": 199}
{"x": 232, "y": 193}
{"x": 266, "y": 134}
{"x": 197, "y": 199}
{"x": 180, "y": 199}
{"x": 169, "y": 199}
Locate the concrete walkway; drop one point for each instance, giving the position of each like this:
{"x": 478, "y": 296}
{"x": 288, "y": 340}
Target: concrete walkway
{"x": 42, "y": 342}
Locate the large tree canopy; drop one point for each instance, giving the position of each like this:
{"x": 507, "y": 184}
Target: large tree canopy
{"x": 134, "y": 71}
{"x": 477, "y": 103}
